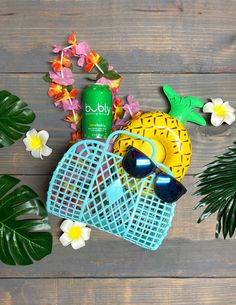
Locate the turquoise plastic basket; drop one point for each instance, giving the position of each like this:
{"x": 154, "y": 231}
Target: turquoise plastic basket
{"x": 90, "y": 186}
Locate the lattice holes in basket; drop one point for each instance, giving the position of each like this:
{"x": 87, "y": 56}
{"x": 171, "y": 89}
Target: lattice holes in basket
{"x": 89, "y": 186}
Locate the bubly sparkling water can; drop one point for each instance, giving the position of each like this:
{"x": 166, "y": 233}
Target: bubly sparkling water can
{"x": 97, "y": 112}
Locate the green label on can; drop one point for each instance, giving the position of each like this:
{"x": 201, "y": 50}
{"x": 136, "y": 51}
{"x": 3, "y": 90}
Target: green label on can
{"x": 97, "y": 111}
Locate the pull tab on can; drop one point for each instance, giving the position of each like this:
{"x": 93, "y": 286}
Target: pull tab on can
{"x": 97, "y": 112}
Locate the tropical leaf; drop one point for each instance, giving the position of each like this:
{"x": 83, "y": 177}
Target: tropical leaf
{"x": 217, "y": 183}
{"x": 23, "y": 224}
{"x": 68, "y": 88}
{"x": 112, "y": 75}
{"x": 47, "y": 78}
{"x": 103, "y": 64}
{"x": 15, "y": 118}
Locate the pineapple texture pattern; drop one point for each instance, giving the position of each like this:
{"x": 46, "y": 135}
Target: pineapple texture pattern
{"x": 161, "y": 127}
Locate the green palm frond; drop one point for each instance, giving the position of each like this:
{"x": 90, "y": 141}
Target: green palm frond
{"x": 217, "y": 183}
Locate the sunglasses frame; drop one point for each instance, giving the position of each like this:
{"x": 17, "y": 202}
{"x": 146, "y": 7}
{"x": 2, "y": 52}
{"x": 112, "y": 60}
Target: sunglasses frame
{"x": 155, "y": 170}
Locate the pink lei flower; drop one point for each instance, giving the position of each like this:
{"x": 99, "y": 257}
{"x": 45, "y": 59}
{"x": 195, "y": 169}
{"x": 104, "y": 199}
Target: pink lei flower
{"x": 64, "y": 77}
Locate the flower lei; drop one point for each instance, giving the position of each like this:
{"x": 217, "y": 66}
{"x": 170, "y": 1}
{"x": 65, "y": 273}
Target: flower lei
{"x": 64, "y": 94}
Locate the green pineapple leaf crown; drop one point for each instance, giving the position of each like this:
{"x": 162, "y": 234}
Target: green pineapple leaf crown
{"x": 182, "y": 108}
{"x": 217, "y": 183}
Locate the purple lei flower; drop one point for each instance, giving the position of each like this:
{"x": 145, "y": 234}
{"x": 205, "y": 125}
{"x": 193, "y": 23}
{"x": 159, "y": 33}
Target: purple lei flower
{"x": 67, "y": 78}
{"x": 132, "y": 107}
{"x": 118, "y": 123}
{"x": 57, "y": 49}
{"x": 67, "y": 105}
{"x": 82, "y": 49}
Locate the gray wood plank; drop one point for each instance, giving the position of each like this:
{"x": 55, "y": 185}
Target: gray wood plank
{"x": 136, "y": 36}
{"x": 148, "y": 291}
{"x": 188, "y": 251}
{"x": 118, "y": 291}
{"x": 151, "y": 43}
{"x": 115, "y": 258}
{"x": 145, "y": 87}
{"x": 28, "y": 292}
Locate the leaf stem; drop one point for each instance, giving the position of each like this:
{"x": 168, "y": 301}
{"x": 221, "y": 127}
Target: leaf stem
{"x": 99, "y": 68}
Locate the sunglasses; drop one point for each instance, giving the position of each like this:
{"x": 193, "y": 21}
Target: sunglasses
{"x": 138, "y": 165}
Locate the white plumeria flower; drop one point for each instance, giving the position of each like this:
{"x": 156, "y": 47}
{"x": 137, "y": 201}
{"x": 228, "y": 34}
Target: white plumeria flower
{"x": 36, "y": 143}
{"x": 220, "y": 112}
{"x": 75, "y": 233}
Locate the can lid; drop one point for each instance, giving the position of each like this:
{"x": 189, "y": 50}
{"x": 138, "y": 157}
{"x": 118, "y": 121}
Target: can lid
{"x": 96, "y": 86}
{"x": 105, "y": 85}
{"x": 100, "y": 84}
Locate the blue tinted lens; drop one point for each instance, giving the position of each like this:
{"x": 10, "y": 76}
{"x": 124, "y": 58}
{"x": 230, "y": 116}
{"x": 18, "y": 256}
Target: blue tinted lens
{"x": 168, "y": 189}
{"x": 137, "y": 164}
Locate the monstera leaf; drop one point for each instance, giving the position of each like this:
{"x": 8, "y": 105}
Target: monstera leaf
{"x": 15, "y": 118}
{"x": 23, "y": 224}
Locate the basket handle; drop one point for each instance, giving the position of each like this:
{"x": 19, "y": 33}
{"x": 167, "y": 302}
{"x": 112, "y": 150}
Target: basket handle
{"x": 118, "y": 132}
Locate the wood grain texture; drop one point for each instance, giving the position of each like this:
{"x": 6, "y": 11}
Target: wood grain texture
{"x": 115, "y": 258}
{"x": 148, "y": 291}
{"x": 146, "y": 88}
{"x": 28, "y": 292}
{"x": 188, "y": 44}
{"x": 136, "y": 36}
{"x": 189, "y": 250}
{"x": 118, "y": 291}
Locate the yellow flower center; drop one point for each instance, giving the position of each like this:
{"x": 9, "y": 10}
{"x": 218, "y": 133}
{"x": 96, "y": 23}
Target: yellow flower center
{"x": 74, "y": 232}
{"x": 58, "y": 88}
{"x": 36, "y": 142}
{"x": 220, "y": 110}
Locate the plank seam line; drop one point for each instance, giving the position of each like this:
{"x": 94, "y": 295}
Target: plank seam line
{"x": 115, "y": 277}
{"x": 137, "y": 72}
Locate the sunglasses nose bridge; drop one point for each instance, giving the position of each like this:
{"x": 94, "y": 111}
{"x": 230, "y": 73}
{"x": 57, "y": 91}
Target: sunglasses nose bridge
{"x": 157, "y": 170}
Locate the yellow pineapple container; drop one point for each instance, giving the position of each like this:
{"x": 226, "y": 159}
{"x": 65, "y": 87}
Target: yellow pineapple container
{"x": 166, "y": 131}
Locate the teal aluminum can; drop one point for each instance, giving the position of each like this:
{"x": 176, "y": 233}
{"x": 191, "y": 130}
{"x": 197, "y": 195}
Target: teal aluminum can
{"x": 97, "y": 112}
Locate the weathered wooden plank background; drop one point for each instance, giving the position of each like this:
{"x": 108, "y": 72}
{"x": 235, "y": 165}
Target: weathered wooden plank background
{"x": 190, "y": 45}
